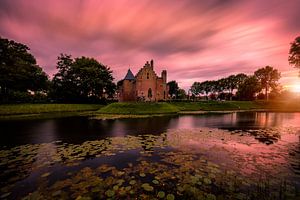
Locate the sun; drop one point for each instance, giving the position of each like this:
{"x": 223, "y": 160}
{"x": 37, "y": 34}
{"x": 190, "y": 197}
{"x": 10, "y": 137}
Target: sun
{"x": 295, "y": 88}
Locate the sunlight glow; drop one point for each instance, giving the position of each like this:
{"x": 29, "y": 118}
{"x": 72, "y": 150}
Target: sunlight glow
{"x": 295, "y": 88}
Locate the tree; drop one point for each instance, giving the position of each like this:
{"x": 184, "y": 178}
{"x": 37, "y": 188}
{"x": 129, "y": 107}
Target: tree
{"x": 203, "y": 88}
{"x": 294, "y": 53}
{"x": 249, "y": 88}
{"x": 81, "y": 79}
{"x": 181, "y": 94}
{"x": 196, "y": 89}
{"x": 19, "y": 71}
{"x": 173, "y": 89}
{"x": 232, "y": 83}
{"x": 268, "y": 78}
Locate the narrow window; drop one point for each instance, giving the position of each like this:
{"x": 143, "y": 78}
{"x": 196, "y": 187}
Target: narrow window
{"x": 149, "y": 93}
{"x": 147, "y": 75}
{"x": 164, "y": 94}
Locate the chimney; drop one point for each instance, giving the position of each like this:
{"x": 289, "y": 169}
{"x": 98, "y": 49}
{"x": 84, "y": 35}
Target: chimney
{"x": 151, "y": 63}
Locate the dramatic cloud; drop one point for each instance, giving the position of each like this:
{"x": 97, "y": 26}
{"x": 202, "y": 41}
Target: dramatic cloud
{"x": 194, "y": 40}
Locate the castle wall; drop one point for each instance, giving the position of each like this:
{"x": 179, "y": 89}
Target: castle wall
{"x": 127, "y": 92}
{"x": 145, "y": 81}
{"x": 147, "y": 86}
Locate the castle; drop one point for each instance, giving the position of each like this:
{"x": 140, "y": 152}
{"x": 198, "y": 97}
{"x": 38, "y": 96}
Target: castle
{"x": 144, "y": 86}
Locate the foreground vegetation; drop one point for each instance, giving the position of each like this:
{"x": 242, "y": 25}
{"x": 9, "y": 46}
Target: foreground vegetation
{"x": 178, "y": 164}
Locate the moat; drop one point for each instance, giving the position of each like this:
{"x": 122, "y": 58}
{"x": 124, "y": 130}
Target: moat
{"x": 247, "y": 155}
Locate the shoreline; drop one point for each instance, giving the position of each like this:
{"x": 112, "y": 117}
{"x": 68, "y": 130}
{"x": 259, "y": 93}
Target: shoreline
{"x": 139, "y": 110}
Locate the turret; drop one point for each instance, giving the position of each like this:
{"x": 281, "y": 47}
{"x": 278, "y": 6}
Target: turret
{"x": 164, "y": 76}
{"x": 151, "y": 64}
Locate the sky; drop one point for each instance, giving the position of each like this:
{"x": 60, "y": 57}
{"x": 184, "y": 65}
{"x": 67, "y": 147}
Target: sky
{"x": 194, "y": 40}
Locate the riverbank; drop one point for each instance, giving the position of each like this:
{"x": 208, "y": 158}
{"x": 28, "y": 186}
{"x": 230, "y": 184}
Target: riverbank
{"x": 141, "y": 110}
{"x": 33, "y": 111}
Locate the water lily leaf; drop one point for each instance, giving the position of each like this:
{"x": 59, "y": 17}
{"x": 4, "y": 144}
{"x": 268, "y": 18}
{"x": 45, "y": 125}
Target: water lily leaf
{"x": 116, "y": 187}
{"x": 56, "y": 193}
{"x": 147, "y": 187}
{"x": 211, "y": 197}
{"x": 155, "y": 182}
{"x": 132, "y": 182}
{"x": 110, "y": 193}
{"x": 170, "y": 197}
{"x": 207, "y": 181}
{"x": 142, "y": 174}
{"x": 127, "y": 188}
{"x": 45, "y": 175}
{"x": 5, "y": 195}
{"x": 161, "y": 194}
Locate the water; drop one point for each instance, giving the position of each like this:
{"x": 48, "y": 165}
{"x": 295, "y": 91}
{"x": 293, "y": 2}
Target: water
{"x": 79, "y": 129}
{"x": 247, "y": 155}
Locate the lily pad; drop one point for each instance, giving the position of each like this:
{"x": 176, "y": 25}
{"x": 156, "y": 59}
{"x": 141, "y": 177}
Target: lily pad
{"x": 161, "y": 194}
{"x": 45, "y": 175}
{"x": 110, "y": 193}
{"x": 147, "y": 187}
{"x": 170, "y": 197}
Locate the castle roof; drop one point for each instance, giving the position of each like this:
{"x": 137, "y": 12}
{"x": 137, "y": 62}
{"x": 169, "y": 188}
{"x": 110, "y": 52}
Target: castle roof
{"x": 129, "y": 75}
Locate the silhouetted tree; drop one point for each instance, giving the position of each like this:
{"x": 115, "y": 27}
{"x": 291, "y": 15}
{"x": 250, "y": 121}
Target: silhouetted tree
{"x": 205, "y": 88}
{"x": 19, "y": 71}
{"x": 173, "y": 89}
{"x": 294, "y": 53}
{"x": 268, "y": 78}
{"x": 181, "y": 94}
{"x": 81, "y": 79}
{"x": 248, "y": 89}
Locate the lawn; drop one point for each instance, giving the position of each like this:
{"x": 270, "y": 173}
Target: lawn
{"x": 21, "y": 109}
{"x": 139, "y": 108}
{"x": 217, "y": 105}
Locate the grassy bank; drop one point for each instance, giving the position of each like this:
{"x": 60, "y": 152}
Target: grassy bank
{"x": 133, "y": 110}
{"x": 31, "y": 109}
{"x": 276, "y": 106}
{"x": 138, "y": 108}
{"x": 217, "y": 105}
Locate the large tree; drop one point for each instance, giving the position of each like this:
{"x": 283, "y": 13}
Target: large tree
{"x": 294, "y": 53}
{"x": 19, "y": 71}
{"x": 205, "y": 88}
{"x": 173, "y": 89}
{"x": 268, "y": 78}
{"x": 248, "y": 89}
{"x": 81, "y": 79}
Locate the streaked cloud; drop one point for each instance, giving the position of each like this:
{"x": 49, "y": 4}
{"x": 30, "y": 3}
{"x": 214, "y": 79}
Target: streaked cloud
{"x": 193, "y": 40}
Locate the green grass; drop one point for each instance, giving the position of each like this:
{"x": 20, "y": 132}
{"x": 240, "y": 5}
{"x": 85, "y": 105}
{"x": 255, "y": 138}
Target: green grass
{"x": 217, "y": 105}
{"x": 280, "y": 106}
{"x": 15, "y": 111}
{"x": 139, "y": 108}
{"x": 27, "y": 109}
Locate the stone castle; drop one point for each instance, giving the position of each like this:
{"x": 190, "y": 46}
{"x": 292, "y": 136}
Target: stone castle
{"x": 144, "y": 86}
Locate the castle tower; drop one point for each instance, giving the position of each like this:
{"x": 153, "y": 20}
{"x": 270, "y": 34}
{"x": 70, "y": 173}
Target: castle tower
{"x": 164, "y": 76}
{"x": 151, "y": 64}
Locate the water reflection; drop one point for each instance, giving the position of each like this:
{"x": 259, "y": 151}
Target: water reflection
{"x": 80, "y": 129}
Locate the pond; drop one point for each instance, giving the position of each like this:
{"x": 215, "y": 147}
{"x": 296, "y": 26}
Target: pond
{"x": 244, "y": 155}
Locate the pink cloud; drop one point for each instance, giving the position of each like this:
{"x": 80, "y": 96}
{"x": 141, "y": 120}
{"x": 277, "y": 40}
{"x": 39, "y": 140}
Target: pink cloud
{"x": 193, "y": 40}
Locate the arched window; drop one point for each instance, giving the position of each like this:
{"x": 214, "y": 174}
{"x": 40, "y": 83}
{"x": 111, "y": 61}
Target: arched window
{"x": 149, "y": 93}
{"x": 147, "y": 75}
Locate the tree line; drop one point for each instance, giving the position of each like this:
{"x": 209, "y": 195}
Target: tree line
{"x": 79, "y": 79}
{"x": 261, "y": 84}
{"x": 85, "y": 79}
{"x": 239, "y": 86}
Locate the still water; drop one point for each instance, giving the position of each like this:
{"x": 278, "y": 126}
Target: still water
{"x": 246, "y": 155}
{"x": 79, "y": 129}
